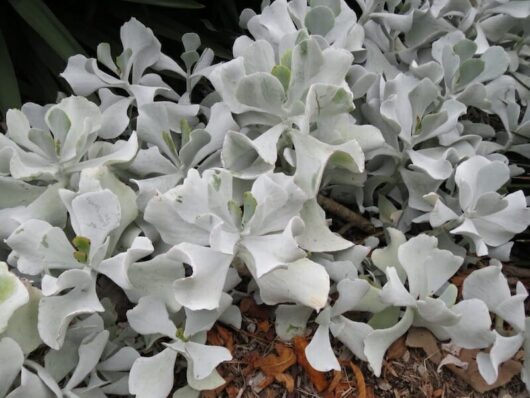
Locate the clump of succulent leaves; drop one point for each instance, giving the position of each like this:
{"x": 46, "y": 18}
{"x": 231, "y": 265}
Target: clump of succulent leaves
{"x": 132, "y": 222}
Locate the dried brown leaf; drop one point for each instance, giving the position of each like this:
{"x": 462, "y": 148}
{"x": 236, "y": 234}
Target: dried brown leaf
{"x": 335, "y": 381}
{"x": 471, "y": 375}
{"x": 264, "y": 326}
{"x": 287, "y": 380}
{"x": 359, "y": 377}
{"x": 422, "y": 338}
{"x": 397, "y": 349}
{"x": 318, "y": 379}
{"x": 249, "y": 308}
{"x": 273, "y": 364}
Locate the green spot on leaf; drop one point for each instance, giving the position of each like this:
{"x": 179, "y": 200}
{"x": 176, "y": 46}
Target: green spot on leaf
{"x": 216, "y": 183}
{"x": 249, "y": 206}
{"x": 340, "y": 96}
{"x": 286, "y": 59}
{"x": 7, "y": 286}
{"x": 292, "y": 328}
{"x": 166, "y": 136}
{"x": 57, "y": 146}
{"x": 283, "y": 74}
{"x": 82, "y": 245}
{"x": 235, "y": 211}
{"x": 185, "y": 129}
{"x": 181, "y": 336}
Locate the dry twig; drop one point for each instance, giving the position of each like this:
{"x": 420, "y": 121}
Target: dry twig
{"x": 357, "y": 220}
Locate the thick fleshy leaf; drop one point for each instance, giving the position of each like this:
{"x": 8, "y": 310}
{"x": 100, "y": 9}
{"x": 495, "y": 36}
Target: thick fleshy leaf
{"x": 311, "y": 65}
{"x": 203, "y": 359}
{"x": 272, "y": 24}
{"x": 209, "y": 273}
{"x": 278, "y": 200}
{"x": 291, "y": 320}
{"x": 394, "y": 292}
{"x": 248, "y": 158}
{"x": 90, "y": 352}
{"x": 11, "y": 365}
{"x": 351, "y": 292}
{"x": 38, "y": 246}
{"x": 439, "y": 169}
{"x": 491, "y": 286}
{"x": 117, "y": 267}
{"x": 303, "y": 282}
{"x": 316, "y": 236}
{"x": 13, "y": 295}
{"x": 174, "y": 213}
{"x": 203, "y": 320}
{"x": 95, "y": 215}
{"x": 503, "y": 349}
{"x": 121, "y": 360}
{"x": 114, "y": 119}
{"x": 155, "y": 278}
{"x": 150, "y": 316}
{"x": 186, "y": 392}
{"x": 261, "y": 92}
{"x": 56, "y": 312}
{"x": 319, "y": 352}
{"x": 419, "y": 184}
{"x": 477, "y": 176}
{"x": 219, "y": 124}
{"x": 324, "y": 103}
{"x": 212, "y": 381}
{"x": 313, "y": 157}
{"x": 441, "y": 214}
{"x": 101, "y": 178}
{"x": 377, "y": 342}
{"x": 352, "y": 334}
{"x": 22, "y": 326}
{"x": 388, "y": 256}
{"x": 265, "y": 253}
{"x": 159, "y": 367}
{"x": 427, "y": 267}
{"x": 30, "y": 386}
{"x": 473, "y": 329}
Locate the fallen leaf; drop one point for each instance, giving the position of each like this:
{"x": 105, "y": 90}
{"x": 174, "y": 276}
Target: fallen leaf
{"x": 287, "y": 380}
{"x": 264, "y": 326}
{"x": 270, "y": 393}
{"x": 249, "y": 307}
{"x": 341, "y": 390}
{"x": 318, "y": 379}
{"x": 422, "y": 338}
{"x": 232, "y": 391}
{"x": 359, "y": 377}
{"x": 267, "y": 381}
{"x": 450, "y": 359}
{"x": 438, "y": 393}
{"x": 259, "y": 381}
{"x": 250, "y": 360}
{"x": 471, "y": 375}
{"x": 428, "y": 390}
{"x": 384, "y": 385}
{"x": 221, "y": 336}
{"x": 397, "y": 349}
{"x": 335, "y": 381}
{"x": 452, "y": 348}
{"x": 227, "y": 337}
{"x": 273, "y": 364}
{"x": 213, "y": 338}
